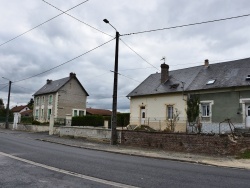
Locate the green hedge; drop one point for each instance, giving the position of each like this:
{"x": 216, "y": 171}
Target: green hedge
{"x": 96, "y": 121}
{"x": 122, "y": 119}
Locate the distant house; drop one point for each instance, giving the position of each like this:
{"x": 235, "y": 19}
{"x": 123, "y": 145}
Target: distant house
{"x": 27, "y": 113}
{"x": 60, "y": 97}
{"x": 101, "y": 112}
{"x": 223, "y": 89}
{"x": 19, "y": 110}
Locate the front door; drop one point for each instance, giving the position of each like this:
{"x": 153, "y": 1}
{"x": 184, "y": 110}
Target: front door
{"x": 248, "y": 115}
{"x": 143, "y": 115}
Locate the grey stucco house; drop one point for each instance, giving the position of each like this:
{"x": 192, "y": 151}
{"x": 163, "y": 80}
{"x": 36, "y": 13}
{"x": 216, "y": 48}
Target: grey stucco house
{"x": 223, "y": 90}
{"x": 61, "y": 97}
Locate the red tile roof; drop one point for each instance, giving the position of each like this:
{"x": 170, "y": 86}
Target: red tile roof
{"x": 101, "y": 112}
{"x": 18, "y": 108}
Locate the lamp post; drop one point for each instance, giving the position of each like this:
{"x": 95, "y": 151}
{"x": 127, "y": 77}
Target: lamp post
{"x": 114, "y": 106}
{"x": 8, "y": 104}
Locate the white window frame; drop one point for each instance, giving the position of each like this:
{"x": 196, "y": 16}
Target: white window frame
{"x": 209, "y": 103}
{"x": 37, "y": 114}
{"x": 37, "y": 101}
{"x": 50, "y": 102}
{"x": 78, "y": 112}
{"x": 170, "y": 112}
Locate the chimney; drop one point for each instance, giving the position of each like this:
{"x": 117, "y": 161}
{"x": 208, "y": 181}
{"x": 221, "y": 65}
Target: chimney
{"x": 49, "y": 81}
{"x": 206, "y": 63}
{"x": 164, "y": 72}
{"x": 72, "y": 75}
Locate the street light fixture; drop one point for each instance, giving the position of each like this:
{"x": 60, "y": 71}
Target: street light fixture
{"x": 114, "y": 106}
{"x": 8, "y": 104}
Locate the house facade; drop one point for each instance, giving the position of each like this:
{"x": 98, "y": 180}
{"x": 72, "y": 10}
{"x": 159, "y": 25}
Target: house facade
{"x": 223, "y": 90}
{"x": 61, "y": 97}
{"x": 19, "y": 110}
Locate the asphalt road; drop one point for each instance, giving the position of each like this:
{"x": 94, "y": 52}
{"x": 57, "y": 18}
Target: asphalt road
{"x": 26, "y": 162}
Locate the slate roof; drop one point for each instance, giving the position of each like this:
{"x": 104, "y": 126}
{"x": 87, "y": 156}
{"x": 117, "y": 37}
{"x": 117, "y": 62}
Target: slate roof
{"x": 18, "y": 108}
{"x": 226, "y": 74}
{"x": 55, "y": 85}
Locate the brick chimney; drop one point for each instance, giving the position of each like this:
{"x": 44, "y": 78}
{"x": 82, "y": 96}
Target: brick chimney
{"x": 206, "y": 63}
{"x": 164, "y": 73}
{"x": 72, "y": 75}
{"x": 49, "y": 81}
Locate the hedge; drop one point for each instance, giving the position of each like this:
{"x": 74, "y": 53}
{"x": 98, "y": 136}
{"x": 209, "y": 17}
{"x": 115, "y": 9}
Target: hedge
{"x": 96, "y": 121}
{"x": 122, "y": 119}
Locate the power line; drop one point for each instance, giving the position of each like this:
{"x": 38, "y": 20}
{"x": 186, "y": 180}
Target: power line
{"x": 187, "y": 25}
{"x": 64, "y": 62}
{"x": 139, "y": 55}
{"x": 3, "y": 87}
{"x": 77, "y": 19}
{"x": 42, "y": 24}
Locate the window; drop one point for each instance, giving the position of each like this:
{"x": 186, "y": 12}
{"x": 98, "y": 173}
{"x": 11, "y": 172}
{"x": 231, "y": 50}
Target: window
{"x": 205, "y": 107}
{"x": 37, "y": 114}
{"x": 170, "y": 111}
{"x": 75, "y": 112}
{"x": 49, "y": 112}
{"x": 210, "y": 82}
{"x": 37, "y": 101}
{"x": 43, "y": 99}
{"x": 81, "y": 113}
{"x": 42, "y": 113}
{"x": 50, "y": 99}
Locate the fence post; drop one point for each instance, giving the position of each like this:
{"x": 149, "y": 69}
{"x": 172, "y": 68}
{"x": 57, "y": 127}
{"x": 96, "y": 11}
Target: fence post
{"x": 15, "y": 121}
{"x": 51, "y": 124}
{"x": 68, "y": 119}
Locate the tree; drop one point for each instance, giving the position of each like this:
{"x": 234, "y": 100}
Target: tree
{"x": 193, "y": 109}
{"x": 30, "y": 104}
{"x": 1, "y": 104}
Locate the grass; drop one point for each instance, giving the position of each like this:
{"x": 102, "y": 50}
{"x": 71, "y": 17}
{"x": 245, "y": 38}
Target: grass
{"x": 244, "y": 155}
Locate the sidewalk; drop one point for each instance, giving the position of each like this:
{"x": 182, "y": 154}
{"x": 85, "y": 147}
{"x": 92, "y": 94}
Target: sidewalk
{"x": 222, "y": 161}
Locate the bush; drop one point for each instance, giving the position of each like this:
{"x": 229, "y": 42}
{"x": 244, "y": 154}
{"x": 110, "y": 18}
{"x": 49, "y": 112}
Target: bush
{"x": 34, "y": 122}
{"x": 26, "y": 120}
{"x": 123, "y": 119}
{"x": 96, "y": 121}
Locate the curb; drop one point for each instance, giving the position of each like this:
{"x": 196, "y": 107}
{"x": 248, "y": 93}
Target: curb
{"x": 146, "y": 156}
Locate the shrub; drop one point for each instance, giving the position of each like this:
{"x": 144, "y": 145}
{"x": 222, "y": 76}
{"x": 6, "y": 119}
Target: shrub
{"x": 34, "y": 122}
{"x": 95, "y": 121}
{"x": 123, "y": 119}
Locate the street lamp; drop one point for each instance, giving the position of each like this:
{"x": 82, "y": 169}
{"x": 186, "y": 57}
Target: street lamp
{"x": 114, "y": 106}
{"x": 8, "y": 104}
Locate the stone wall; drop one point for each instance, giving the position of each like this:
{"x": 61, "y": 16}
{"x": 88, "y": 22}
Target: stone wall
{"x": 216, "y": 145}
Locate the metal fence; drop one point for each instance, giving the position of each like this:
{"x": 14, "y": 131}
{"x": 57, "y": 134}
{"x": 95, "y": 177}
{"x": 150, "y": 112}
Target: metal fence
{"x": 58, "y": 122}
{"x": 3, "y": 119}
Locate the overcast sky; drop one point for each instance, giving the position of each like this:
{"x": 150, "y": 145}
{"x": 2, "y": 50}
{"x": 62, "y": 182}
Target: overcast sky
{"x": 65, "y": 38}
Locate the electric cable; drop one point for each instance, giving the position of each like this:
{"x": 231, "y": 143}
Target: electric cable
{"x": 187, "y": 25}
{"x": 77, "y": 18}
{"x": 64, "y": 62}
{"x": 42, "y": 23}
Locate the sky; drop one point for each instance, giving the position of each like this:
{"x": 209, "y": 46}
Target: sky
{"x": 66, "y": 37}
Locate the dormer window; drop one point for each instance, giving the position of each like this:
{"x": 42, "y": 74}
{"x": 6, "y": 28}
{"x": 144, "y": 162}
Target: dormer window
{"x": 210, "y": 82}
{"x": 174, "y": 86}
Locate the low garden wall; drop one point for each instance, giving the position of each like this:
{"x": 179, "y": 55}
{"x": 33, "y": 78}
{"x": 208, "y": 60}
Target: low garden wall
{"x": 96, "y": 133}
{"x": 207, "y": 144}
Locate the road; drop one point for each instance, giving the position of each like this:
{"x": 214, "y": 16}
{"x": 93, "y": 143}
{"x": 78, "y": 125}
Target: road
{"x": 26, "y": 162}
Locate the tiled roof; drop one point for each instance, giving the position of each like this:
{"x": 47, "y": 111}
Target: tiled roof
{"x": 55, "y": 85}
{"x": 226, "y": 74}
{"x": 18, "y": 108}
{"x": 27, "y": 113}
{"x": 102, "y": 112}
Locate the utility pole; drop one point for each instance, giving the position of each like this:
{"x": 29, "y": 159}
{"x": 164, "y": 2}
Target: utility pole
{"x": 113, "y": 140}
{"x": 114, "y": 107}
{"x": 7, "y": 108}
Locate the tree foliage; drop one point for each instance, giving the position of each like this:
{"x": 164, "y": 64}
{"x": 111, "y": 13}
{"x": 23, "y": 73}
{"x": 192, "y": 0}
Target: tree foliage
{"x": 192, "y": 109}
{"x": 30, "y": 104}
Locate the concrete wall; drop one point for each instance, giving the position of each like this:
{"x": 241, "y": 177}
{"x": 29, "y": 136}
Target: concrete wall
{"x": 218, "y": 145}
{"x": 156, "y": 110}
{"x": 88, "y": 132}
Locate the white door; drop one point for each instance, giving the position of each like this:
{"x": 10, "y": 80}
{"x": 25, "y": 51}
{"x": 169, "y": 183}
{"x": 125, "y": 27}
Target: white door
{"x": 143, "y": 115}
{"x": 248, "y": 115}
